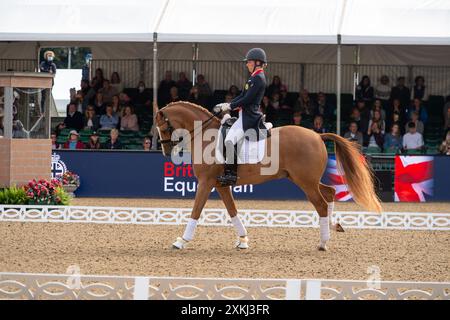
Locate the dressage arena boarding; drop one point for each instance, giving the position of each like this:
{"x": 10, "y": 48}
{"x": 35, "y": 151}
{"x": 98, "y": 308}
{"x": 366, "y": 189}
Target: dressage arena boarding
{"x": 121, "y": 249}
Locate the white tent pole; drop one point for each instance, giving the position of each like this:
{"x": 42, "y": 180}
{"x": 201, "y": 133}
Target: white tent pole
{"x": 194, "y": 62}
{"x": 155, "y": 91}
{"x": 338, "y": 87}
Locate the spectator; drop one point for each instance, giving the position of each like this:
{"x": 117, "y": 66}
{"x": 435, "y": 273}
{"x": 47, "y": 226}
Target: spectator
{"x": 364, "y": 114}
{"x": 85, "y": 94}
{"x": 113, "y": 142}
{"x": 396, "y": 121}
{"x": 48, "y": 66}
{"x": 446, "y": 113}
{"x": 116, "y": 105}
{"x": 383, "y": 90}
{"x": 89, "y": 98}
{"x": 74, "y": 118}
{"x": 418, "y": 107}
{"x": 355, "y": 116}
{"x": 107, "y": 91}
{"x": 444, "y": 148}
{"x": 164, "y": 88}
{"x": 275, "y": 86}
{"x": 419, "y": 90}
{"x": 116, "y": 83}
{"x": 377, "y": 118}
{"x": 285, "y": 102}
{"x": 353, "y": 134}
{"x": 378, "y": 106}
{"x": 419, "y": 124}
{"x": 184, "y": 86}
{"x": 204, "y": 90}
{"x": 73, "y": 143}
{"x": 398, "y": 108}
{"x": 376, "y": 135}
{"x": 98, "y": 79}
{"x": 109, "y": 120}
{"x": 94, "y": 141}
{"x": 174, "y": 95}
{"x": 124, "y": 99}
{"x": 142, "y": 98}
{"x": 297, "y": 119}
{"x": 323, "y": 107}
{"x": 318, "y": 124}
{"x": 53, "y": 136}
{"x": 364, "y": 90}
{"x": 59, "y": 127}
{"x": 129, "y": 120}
{"x": 305, "y": 105}
{"x": 91, "y": 121}
{"x": 196, "y": 98}
{"x": 147, "y": 143}
{"x": 393, "y": 139}
{"x": 268, "y": 110}
{"x": 412, "y": 140}
{"x": 99, "y": 104}
{"x": 233, "y": 91}
{"x": 401, "y": 92}
{"x": 228, "y": 98}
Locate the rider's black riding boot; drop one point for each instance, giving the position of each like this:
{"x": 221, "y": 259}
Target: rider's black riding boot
{"x": 229, "y": 177}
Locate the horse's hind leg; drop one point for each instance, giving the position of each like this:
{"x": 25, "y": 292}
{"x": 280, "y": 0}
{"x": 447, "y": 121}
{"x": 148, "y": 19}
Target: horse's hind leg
{"x": 328, "y": 192}
{"x": 228, "y": 200}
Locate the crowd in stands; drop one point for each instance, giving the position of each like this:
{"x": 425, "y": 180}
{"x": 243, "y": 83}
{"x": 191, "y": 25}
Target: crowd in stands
{"x": 104, "y": 114}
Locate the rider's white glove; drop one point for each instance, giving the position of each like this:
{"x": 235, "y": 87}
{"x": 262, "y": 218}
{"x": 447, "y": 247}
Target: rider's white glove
{"x": 224, "y": 106}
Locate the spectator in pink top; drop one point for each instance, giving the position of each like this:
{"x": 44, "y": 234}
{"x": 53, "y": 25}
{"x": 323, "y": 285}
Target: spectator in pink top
{"x": 129, "y": 120}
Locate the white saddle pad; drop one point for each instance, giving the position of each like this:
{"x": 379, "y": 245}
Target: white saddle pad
{"x": 251, "y": 152}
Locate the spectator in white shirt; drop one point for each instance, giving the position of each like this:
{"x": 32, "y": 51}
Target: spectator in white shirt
{"x": 383, "y": 90}
{"x": 412, "y": 140}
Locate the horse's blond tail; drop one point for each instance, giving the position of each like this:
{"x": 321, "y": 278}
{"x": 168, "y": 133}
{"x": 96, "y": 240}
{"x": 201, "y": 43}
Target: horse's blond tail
{"x": 358, "y": 174}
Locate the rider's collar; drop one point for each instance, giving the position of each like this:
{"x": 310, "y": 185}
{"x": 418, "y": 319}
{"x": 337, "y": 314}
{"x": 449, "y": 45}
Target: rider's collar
{"x": 257, "y": 72}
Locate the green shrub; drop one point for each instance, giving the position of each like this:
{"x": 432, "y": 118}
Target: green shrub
{"x": 13, "y": 195}
{"x": 62, "y": 196}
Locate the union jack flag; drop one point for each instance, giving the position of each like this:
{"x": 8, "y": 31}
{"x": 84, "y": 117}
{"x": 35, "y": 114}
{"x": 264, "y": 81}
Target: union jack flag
{"x": 413, "y": 178}
{"x": 336, "y": 178}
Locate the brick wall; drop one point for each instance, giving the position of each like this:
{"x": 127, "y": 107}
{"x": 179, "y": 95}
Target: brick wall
{"x": 24, "y": 159}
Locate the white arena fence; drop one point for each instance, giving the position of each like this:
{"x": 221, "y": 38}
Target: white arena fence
{"x": 220, "y": 217}
{"x": 73, "y": 286}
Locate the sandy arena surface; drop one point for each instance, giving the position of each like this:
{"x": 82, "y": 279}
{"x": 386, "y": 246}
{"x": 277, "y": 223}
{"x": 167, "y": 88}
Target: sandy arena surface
{"x": 274, "y": 252}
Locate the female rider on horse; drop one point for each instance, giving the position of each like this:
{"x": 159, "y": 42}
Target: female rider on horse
{"x": 249, "y": 115}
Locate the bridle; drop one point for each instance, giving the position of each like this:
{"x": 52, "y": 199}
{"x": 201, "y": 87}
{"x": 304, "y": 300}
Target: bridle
{"x": 170, "y": 129}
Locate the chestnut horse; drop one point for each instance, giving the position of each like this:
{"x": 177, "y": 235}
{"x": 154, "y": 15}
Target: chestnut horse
{"x": 302, "y": 158}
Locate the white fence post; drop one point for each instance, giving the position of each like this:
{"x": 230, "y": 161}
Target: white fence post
{"x": 293, "y": 289}
{"x": 313, "y": 289}
{"x": 141, "y": 288}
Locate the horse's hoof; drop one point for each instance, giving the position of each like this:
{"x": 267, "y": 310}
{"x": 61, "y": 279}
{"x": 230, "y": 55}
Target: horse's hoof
{"x": 339, "y": 228}
{"x": 179, "y": 244}
{"x": 322, "y": 247}
{"x": 242, "y": 243}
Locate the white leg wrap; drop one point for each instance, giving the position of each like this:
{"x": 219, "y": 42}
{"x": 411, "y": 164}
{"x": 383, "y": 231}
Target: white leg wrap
{"x": 241, "y": 231}
{"x": 190, "y": 230}
{"x": 330, "y": 208}
{"x": 324, "y": 229}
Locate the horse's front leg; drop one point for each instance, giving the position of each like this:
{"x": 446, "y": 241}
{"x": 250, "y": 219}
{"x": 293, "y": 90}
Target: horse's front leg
{"x": 203, "y": 190}
{"x": 228, "y": 200}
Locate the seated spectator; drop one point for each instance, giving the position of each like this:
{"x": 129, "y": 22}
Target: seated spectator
{"x": 184, "y": 86}
{"x": 196, "y": 98}
{"x": 446, "y": 113}
{"x": 419, "y": 124}
{"x": 94, "y": 141}
{"x": 164, "y": 88}
{"x": 353, "y": 134}
{"x": 228, "y": 97}
{"x": 355, "y": 116}
{"x": 54, "y": 137}
{"x": 418, "y": 107}
{"x": 124, "y": 99}
{"x": 318, "y": 125}
{"x": 364, "y": 90}
{"x": 444, "y": 148}
{"x": 174, "y": 95}
{"x": 419, "y": 90}
{"x": 116, "y": 83}
{"x": 147, "y": 143}
{"x": 59, "y": 127}
{"x": 74, "y": 118}
{"x": 364, "y": 114}
{"x": 73, "y": 143}
{"x": 305, "y": 105}
{"x": 233, "y": 91}
{"x": 84, "y": 94}
{"x": 275, "y": 86}
{"x": 108, "y": 91}
{"x": 142, "y": 98}
{"x": 99, "y": 104}
{"x": 376, "y": 135}
{"x": 412, "y": 140}
{"x": 91, "y": 121}
{"x": 267, "y": 109}
{"x": 204, "y": 90}
{"x": 401, "y": 92}
{"x": 110, "y": 120}
{"x": 129, "y": 120}
{"x": 383, "y": 90}
{"x": 323, "y": 108}
{"x": 393, "y": 139}
{"x": 396, "y": 121}
{"x": 98, "y": 79}
{"x": 297, "y": 119}
{"x": 285, "y": 103}
{"x": 117, "y": 108}
{"x": 113, "y": 142}
{"x": 89, "y": 98}
{"x": 377, "y": 105}
{"x": 377, "y": 118}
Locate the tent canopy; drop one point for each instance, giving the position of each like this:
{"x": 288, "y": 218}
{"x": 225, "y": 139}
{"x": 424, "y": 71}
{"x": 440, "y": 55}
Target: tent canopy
{"x": 401, "y": 22}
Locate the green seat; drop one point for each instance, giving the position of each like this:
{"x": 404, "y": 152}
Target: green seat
{"x": 373, "y": 150}
{"x": 413, "y": 152}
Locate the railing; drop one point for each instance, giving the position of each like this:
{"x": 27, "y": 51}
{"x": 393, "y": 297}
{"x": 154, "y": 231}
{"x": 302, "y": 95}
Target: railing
{"x": 21, "y": 65}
